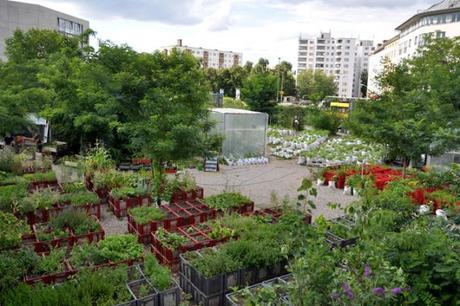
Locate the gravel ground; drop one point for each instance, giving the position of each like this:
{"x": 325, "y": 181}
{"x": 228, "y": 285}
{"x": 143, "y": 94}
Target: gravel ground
{"x": 111, "y": 224}
{"x": 258, "y": 182}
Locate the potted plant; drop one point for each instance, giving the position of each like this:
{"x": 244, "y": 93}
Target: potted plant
{"x": 230, "y": 202}
{"x": 143, "y": 220}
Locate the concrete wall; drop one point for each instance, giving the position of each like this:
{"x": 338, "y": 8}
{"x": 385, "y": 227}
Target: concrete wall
{"x": 24, "y": 16}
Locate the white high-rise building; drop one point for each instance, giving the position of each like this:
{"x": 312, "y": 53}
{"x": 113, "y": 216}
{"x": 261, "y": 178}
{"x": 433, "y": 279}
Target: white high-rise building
{"x": 439, "y": 20}
{"x": 343, "y": 58}
{"x": 25, "y": 16}
{"x": 211, "y": 58}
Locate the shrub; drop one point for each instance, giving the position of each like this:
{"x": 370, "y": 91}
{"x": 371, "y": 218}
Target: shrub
{"x": 324, "y": 120}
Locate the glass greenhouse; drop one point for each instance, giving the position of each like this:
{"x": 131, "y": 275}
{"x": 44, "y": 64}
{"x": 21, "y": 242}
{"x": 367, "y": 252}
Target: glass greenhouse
{"x": 244, "y": 131}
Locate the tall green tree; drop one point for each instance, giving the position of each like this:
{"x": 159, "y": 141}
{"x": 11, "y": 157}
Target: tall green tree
{"x": 315, "y": 85}
{"x": 173, "y": 123}
{"x": 419, "y": 110}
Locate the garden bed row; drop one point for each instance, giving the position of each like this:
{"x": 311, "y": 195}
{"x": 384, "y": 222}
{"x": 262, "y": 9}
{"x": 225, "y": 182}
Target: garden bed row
{"x": 175, "y": 215}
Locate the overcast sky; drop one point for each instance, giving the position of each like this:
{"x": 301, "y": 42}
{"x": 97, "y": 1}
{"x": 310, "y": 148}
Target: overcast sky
{"x": 257, "y": 28}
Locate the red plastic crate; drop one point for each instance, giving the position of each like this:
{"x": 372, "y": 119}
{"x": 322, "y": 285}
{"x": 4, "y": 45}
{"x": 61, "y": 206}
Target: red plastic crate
{"x": 177, "y": 215}
{"x": 52, "y": 277}
{"x": 183, "y": 196}
{"x": 197, "y": 236}
{"x": 120, "y": 206}
{"x": 41, "y": 246}
{"x": 53, "y": 185}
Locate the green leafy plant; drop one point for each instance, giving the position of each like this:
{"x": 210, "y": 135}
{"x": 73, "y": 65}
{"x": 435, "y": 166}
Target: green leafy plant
{"x": 120, "y": 247}
{"x": 126, "y": 192}
{"x": 145, "y": 214}
{"x": 170, "y": 240}
{"x": 73, "y": 187}
{"x": 227, "y": 200}
{"x": 51, "y": 263}
{"x": 11, "y": 195}
{"x": 80, "y": 198}
{"x": 98, "y": 160}
{"x": 76, "y": 220}
{"x": 86, "y": 255}
{"x": 40, "y": 177}
{"x": 44, "y": 199}
{"x": 159, "y": 276}
{"x": 110, "y": 179}
{"x": 11, "y": 230}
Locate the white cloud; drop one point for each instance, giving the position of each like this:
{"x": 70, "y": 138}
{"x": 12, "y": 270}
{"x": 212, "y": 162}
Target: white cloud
{"x": 267, "y": 28}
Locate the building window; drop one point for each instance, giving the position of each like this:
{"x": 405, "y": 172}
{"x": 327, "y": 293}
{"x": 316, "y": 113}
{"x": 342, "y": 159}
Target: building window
{"x": 69, "y": 27}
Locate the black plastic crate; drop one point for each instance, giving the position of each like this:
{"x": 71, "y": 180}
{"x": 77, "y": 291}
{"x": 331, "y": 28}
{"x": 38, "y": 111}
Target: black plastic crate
{"x": 150, "y": 299}
{"x": 199, "y": 297}
{"x": 170, "y": 297}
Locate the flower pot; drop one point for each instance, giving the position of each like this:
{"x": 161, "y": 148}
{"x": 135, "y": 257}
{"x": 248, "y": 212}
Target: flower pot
{"x": 319, "y": 182}
{"x": 331, "y": 184}
{"x": 347, "y": 190}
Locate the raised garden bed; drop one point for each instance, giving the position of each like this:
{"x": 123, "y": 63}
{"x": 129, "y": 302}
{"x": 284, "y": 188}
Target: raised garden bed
{"x": 272, "y": 215}
{"x": 142, "y": 221}
{"x": 270, "y": 292}
{"x": 181, "y": 195}
{"x": 120, "y": 207}
{"x": 47, "y": 238}
{"x": 230, "y": 202}
{"x": 168, "y": 245}
{"x": 50, "y": 268}
{"x": 175, "y": 215}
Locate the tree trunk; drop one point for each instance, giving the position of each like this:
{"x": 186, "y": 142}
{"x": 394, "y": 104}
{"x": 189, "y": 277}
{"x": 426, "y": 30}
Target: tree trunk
{"x": 158, "y": 180}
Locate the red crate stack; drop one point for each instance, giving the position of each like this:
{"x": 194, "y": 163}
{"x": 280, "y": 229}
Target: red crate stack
{"x": 120, "y": 206}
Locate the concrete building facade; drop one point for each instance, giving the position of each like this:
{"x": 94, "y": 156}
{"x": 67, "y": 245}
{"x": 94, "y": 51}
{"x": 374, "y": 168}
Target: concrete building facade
{"x": 439, "y": 20}
{"x": 24, "y": 16}
{"x": 211, "y": 58}
{"x": 343, "y": 58}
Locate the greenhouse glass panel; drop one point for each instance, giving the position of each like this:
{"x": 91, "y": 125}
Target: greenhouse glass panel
{"x": 244, "y": 131}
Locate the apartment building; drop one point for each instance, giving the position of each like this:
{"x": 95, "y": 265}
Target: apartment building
{"x": 212, "y": 58}
{"x": 24, "y": 16}
{"x": 440, "y": 20}
{"x": 343, "y": 58}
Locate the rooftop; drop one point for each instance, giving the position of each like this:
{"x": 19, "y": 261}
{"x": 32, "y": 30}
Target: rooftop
{"x": 444, "y": 6}
{"x": 233, "y": 111}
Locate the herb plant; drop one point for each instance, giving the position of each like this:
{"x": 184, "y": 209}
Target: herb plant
{"x": 145, "y": 214}
{"x": 158, "y": 275}
{"x": 227, "y": 200}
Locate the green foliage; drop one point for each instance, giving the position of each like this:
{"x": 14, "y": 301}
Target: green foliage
{"x": 110, "y": 179}
{"x": 14, "y": 265}
{"x": 232, "y": 103}
{"x": 11, "y": 195}
{"x": 259, "y": 92}
{"x": 97, "y": 160}
{"x": 51, "y": 263}
{"x": 227, "y": 200}
{"x": 73, "y": 187}
{"x": 159, "y": 276}
{"x": 76, "y": 220}
{"x": 418, "y": 110}
{"x": 170, "y": 240}
{"x": 285, "y": 116}
{"x": 324, "y": 120}
{"x": 43, "y": 199}
{"x": 126, "y": 192}
{"x": 80, "y": 198}
{"x": 120, "y": 247}
{"x": 40, "y": 177}
{"x": 315, "y": 85}
{"x": 10, "y": 162}
{"x": 145, "y": 214}
{"x": 11, "y": 230}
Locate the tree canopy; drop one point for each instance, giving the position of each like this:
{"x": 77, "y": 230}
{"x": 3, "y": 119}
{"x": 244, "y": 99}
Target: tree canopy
{"x": 315, "y": 85}
{"x": 418, "y": 111}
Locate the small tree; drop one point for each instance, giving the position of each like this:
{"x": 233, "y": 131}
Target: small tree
{"x": 173, "y": 123}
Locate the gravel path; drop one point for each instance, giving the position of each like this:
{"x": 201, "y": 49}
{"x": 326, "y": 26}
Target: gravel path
{"x": 258, "y": 182}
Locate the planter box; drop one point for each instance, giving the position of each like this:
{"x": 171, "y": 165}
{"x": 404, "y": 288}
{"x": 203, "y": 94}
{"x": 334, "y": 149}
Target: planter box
{"x": 120, "y": 206}
{"x": 42, "y": 246}
{"x": 181, "y": 195}
{"x": 150, "y": 299}
{"x": 199, "y": 297}
{"x": 53, "y": 185}
{"x": 52, "y": 277}
{"x": 197, "y": 238}
{"x": 170, "y": 297}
